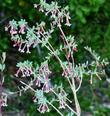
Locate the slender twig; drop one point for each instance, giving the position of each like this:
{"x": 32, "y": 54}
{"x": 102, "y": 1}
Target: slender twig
{"x": 75, "y": 98}
{"x": 71, "y": 109}
{"x": 55, "y": 108}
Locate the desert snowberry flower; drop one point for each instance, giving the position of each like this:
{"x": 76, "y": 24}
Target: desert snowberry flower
{"x": 68, "y": 55}
{"x": 13, "y": 31}
{"x": 38, "y": 82}
{"x": 22, "y": 24}
{"x": 22, "y": 28}
{"x": 16, "y": 40}
{"x": 47, "y": 86}
{"x": 13, "y": 27}
{"x": 43, "y": 108}
{"x": 62, "y": 104}
{"x": 21, "y": 48}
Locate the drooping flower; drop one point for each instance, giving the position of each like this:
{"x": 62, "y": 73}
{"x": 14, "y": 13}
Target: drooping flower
{"x": 47, "y": 86}
{"x": 22, "y": 28}
{"x": 43, "y": 108}
{"x": 67, "y": 20}
{"x": 44, "y": 69}
{"x": 62, "y": 104}
{"x": 42, "y": 101}
{"x": 62, "y": 99}
{"x": 38, "y": 82}
{"x": 13, "y": 27}
{"x": 22, "y": 24}
{"x": 45, "y": 73}
{"x": 13, "y": 31}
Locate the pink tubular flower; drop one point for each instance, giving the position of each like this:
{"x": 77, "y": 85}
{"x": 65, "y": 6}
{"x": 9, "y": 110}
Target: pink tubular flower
{"x": 12, "y": 26}
{"x": 34, "y": 99}
{"x": 62, "y": 104}
{"x": 47, "y": 87}
{"x": 22, "y": 25}
{"x": 28, "y": 46}
{"x": 16, "y": 43}
{"x": 23, "y": 46}
{"x": 22, "y": 28}
{"x": 13, "y": 31}
{"x": 24, "y": 69}
{"x": 43, "y": 108}
{"x": 44, "y": 69}
{"x": 67, "y": 20}
{"x": 62, "y": 99}
{"x": 38, "y": 83}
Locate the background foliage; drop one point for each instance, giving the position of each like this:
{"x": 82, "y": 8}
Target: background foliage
{"x": 90, "y": 25}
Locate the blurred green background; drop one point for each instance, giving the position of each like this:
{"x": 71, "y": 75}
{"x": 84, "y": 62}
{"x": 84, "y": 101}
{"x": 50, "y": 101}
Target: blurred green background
{"x": 90, "y": 25}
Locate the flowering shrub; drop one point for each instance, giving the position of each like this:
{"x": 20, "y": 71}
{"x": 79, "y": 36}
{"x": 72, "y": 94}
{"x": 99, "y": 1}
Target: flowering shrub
{"x": 25, "y": 37}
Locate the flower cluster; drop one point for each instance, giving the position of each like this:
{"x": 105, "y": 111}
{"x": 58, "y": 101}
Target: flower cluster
{"x": 42, "y": 101}
{"x": 24, "y": 68}
{"x": 40, "y": 74}
{"x": 15, "y": 27}
{"x": 43, "y": 77}
{"x": 25, "y": 37}
{"x": 57, "y": 14}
